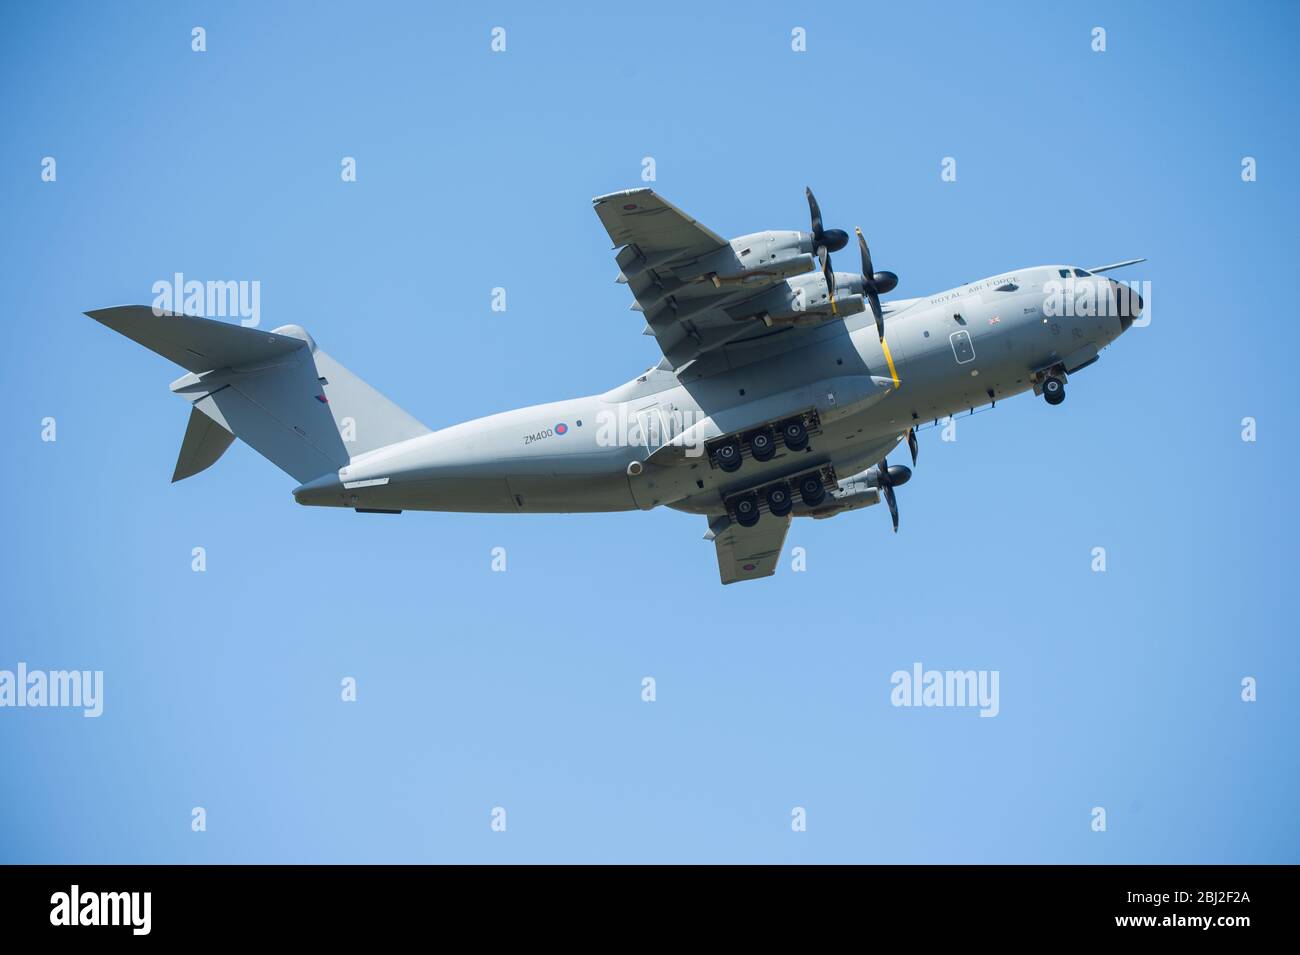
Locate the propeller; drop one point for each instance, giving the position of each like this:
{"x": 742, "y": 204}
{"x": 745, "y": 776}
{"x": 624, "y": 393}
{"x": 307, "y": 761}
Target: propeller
{"x": 912, "y": 444}
{"x": 825, "y": 241}
{"x": 886, "y": 479}
{"x": 875, "y": 284}
{"x": 887, "y": 488}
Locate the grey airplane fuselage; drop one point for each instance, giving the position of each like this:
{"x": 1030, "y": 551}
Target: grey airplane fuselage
{"x": 952, "y": 351}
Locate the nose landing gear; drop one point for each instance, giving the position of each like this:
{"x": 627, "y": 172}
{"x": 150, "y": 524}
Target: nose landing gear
{"x": 1053, "y": 390}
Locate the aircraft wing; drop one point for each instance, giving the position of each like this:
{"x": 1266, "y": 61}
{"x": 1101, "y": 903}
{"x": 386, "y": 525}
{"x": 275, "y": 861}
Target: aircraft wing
{"x": 665, "y": 257}
{"x": 638, "y": 217}
{"x": 747, "y": 553}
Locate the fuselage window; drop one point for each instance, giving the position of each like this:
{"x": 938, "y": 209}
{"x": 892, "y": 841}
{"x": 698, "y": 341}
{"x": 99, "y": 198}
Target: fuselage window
{"x": 962, "y": 348}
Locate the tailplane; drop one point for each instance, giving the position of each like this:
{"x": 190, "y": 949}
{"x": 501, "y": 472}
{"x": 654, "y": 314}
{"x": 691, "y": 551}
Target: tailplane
{"x": 276, "y": 391}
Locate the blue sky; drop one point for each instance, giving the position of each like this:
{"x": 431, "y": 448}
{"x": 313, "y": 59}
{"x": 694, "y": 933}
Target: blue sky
{"x": 522, "y": 689}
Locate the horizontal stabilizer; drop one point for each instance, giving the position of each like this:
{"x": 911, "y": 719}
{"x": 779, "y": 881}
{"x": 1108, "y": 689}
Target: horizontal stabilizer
{"x": 274, "y": 390}
{"x": 205, "y": 442}
{"x": 196, "y": 344}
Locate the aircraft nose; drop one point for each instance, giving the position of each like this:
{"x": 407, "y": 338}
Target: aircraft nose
{"x": 1128, "y": 304}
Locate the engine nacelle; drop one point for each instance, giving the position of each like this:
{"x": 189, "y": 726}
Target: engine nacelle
{"x": 758, "y": 259}
{"x": 898, "y": 476}
{"x": 802, "y": 300}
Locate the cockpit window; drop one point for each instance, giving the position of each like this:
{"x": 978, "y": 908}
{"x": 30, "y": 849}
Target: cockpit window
{"x": 1081, "y": 274}
{"x": 1007, "y": 287}
{"x": 1065, "y": 273}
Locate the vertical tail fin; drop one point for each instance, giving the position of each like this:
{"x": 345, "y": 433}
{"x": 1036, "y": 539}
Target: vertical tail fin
{"x": 365, "y": 418}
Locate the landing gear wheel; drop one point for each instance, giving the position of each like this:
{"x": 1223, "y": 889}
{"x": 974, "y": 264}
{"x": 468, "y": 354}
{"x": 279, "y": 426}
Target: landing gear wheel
{"x": 1053, "y": 390}
{"x": 779, "y": 501}
{"x": 728, "y": 456}
{"x": 762, "y": 445}
{"x": 794, "y": 434}
{"x": 811, "y": 490}
{"x": 747, "y": 512}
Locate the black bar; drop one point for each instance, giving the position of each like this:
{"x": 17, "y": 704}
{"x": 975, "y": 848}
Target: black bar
{"x": 208, "y": 904}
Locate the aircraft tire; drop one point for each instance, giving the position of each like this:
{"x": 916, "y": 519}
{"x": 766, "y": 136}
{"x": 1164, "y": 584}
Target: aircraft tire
{"x": 794, "y": 435}
{"x": 811, "y": 490}
{"x": 1053, "y": 390}
{"x": 762, "y": 445}
{"x": 747, "y": 512}
{"x": 728, "y": 456}
{"x": 779, "y": 501}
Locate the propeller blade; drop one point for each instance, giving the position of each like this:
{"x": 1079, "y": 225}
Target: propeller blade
{"x": 874, "y": 299}
{"x": 886, "y": 485}
{"x": 867, "y": 270}
{"x": 822, "y": 243}
{"x": 912, "y": 444}
{"x": 888, "y": 490}
{"x": 832, "y": 239}
{"x": 815, "y": 211}
{"x": 869, "y": 284}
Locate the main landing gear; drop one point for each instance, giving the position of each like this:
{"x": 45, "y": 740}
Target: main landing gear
{"x": 728, "y": 456}
{"x": 794, "y": 434}
{"x": 747, "y": 512}
{"x": 1053, "y": 389}
{"x": 777, "y": 498}
{"x": 763, "y": 443}
{"x": 811, "y": 489}
{"x": 779, "y": 501}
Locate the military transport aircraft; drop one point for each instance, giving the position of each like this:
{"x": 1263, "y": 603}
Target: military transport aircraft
{"x": 783, "y": 387}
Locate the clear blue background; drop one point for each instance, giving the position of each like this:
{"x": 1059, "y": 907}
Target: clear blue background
{"x": 522, "y": 689}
